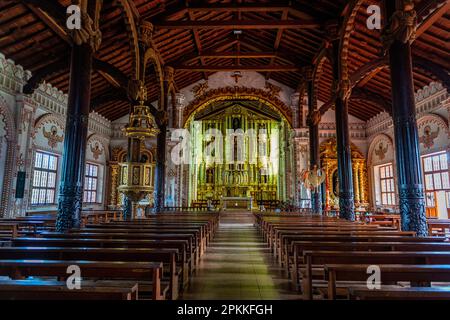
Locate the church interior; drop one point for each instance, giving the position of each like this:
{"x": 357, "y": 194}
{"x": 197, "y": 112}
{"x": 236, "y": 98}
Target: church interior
{"x": 224, "y": 150}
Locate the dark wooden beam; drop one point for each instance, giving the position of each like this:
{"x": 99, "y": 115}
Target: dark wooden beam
{"x": 238, "y": 24}
{"x": 250, "y": 7}
{"x": 238, "y": 55}
{"x": 278, "y": 39}
{"x": 267, "y": 68}
{"x": 198, "y": 43}
{"x": 441, "y": 7}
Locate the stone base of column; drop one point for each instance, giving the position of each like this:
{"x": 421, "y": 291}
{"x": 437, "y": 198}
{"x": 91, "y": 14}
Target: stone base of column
{"x": 412, "y": 210}
{"x": 70, "y": 202}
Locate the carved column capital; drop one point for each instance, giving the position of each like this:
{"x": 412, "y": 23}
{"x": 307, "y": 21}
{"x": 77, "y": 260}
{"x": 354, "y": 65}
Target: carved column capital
{"x": 146, "y": 33}
{"x": 88, "y": 33}
{"x": 402, "y": 25}
{"x": 169, "y": 74}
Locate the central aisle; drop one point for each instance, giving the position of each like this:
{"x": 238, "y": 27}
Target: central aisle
{"x": 238, "y": 265}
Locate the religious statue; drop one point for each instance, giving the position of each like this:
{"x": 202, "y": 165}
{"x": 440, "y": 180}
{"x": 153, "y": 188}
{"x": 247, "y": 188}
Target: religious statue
{"x": 428, "y": 137}
{"x": 52, "y": 136}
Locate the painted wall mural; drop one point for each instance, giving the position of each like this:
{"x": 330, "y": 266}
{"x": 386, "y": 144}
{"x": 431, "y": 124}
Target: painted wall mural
{"x": 433, "y": 133}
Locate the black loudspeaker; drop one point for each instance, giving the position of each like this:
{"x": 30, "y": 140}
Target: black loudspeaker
{"x": 20, "y": 185}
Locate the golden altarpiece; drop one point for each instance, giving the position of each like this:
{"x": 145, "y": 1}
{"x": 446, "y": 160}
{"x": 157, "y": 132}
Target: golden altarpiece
{"x": 328, "y": 157}
{"x": 258, "y": 173}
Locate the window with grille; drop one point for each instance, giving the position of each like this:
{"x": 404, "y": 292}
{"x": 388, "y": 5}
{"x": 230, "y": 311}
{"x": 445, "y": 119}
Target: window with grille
{"x": 45, "y": 171}
{"x": 436, "y": 176}
{"x": 387, "y": 187}
{"x": 90, "y": 183}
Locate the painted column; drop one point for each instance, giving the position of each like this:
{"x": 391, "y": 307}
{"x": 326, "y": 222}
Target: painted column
{"x": 342, "y": 93}
{"x": 161, "y": 144}
{"x": 397, "y": 40}
{"x": 313, "y": 121}
{"x": 75, "y": 139}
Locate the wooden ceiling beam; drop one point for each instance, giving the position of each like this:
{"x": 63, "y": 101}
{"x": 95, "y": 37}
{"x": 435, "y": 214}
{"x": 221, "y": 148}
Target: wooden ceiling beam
{"x": 266, "y": 68}
{"x": 441, "y": 7}
{"x": 238, "y": 24}
{"x": 238, "y": 55}
{"x": 250, "y": 7}
{"x": 278, "y": 39}
{"x": 198, "y": 43}
{"x": 49, "y": 22}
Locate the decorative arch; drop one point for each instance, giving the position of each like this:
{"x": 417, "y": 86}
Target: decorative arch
{"x": 232, "y": 93}
{"x": 130, "y": 25}
{"x": 375, "y": 144}
{"x": 349, "y": 27}
{"x": 49, "y": 118}
{"x": 151, "y": 55}
{"x": 431, "y": 117}
{"x": 324, "y": 56}
{"x": 10, "y": 158}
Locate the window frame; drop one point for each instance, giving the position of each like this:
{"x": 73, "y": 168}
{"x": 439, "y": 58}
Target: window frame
{"x": 89, "y": 192}
{"x": 39, "y": 171}
{"x": 430, "y": 172}
{"x": 387, "y": 194}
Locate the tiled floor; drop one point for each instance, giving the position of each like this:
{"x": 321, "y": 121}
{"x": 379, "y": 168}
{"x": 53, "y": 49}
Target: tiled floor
{"x": 237, "y": 265}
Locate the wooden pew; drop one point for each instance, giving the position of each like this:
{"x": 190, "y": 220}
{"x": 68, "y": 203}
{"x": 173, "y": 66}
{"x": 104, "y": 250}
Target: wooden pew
{"x": 351, "y": 236}
{"x": 8, "y": 230}
{"x": 424, "y": 274}
{"x": 299, "y": 247}
{"x": 316, "y": 260}
{"x": 55, "y": 290}
{"x": 438, "y": 227}
{"x": 182, "y": 247}
{"x": 433, "y": 293}
{"x": 192, "y": 248}
{"x": 199, "y": 239}
{"x": 141, "y": 272}
{"x": 167, "y": 256}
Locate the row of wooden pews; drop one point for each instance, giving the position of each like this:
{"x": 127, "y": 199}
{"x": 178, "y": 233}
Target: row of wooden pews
{"x": 151, "y": 258}
{"x": 328, "y": 258}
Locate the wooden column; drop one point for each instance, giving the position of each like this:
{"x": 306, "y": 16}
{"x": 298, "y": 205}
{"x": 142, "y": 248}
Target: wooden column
{"x": 160, "y": 170}
{"x": 314, "y": 147}
{"x": 75, "y": 139}
{"x": 410, "y": 186}
{"x": 356, "y": 180}
{"x": 344, "y": 154}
